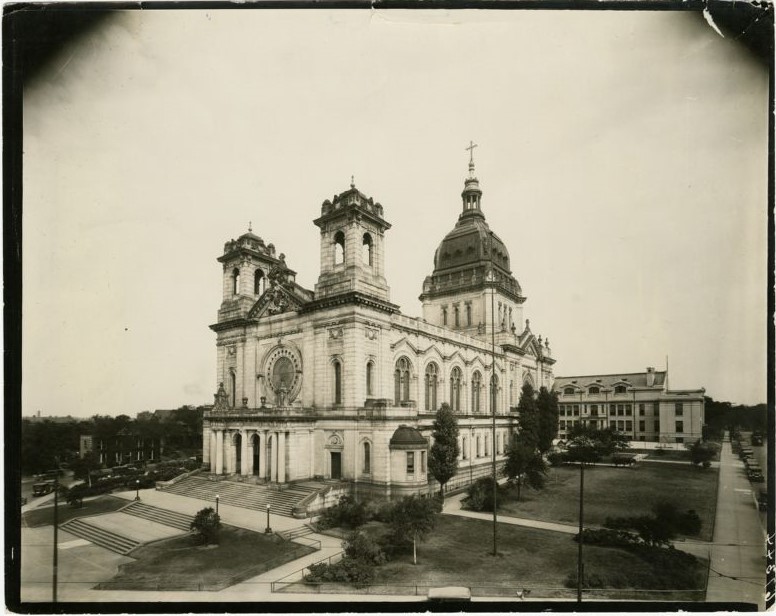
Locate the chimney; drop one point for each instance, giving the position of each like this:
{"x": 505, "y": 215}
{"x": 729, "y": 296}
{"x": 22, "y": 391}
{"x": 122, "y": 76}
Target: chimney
{"x": 650, "y": 377}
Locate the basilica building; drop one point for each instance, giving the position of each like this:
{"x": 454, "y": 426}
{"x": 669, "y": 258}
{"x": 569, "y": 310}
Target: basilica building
{"x": 335, "y": 383}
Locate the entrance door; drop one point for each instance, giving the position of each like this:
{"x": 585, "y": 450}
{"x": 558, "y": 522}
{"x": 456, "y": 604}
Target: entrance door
{"x": 336, "y": 465}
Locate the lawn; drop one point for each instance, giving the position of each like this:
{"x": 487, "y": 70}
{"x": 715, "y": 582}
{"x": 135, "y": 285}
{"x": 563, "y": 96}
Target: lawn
{"x": 44, "y": 516}
{"x": 180, "y": 564}
{"x": 459, "y": 553}
{"x": 619, "y": 492}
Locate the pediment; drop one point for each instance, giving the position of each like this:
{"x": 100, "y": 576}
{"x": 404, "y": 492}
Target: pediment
{"x": 275, "y": 300}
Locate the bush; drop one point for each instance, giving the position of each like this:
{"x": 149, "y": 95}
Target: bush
{"x": 480, "y": 495}
{"x": 346, "y": 571}
{"x": 556, "y": 458}
{"x": 363, "y": 548}
{"x": 346, "y": 513}
{"x": 206, "y": 524}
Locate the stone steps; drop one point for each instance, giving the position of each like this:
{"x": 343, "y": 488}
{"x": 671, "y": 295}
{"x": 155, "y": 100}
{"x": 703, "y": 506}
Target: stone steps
{"x": 174, "y": 519}
{"x": 99, "y": 536}
{"x": 242, "y": 495}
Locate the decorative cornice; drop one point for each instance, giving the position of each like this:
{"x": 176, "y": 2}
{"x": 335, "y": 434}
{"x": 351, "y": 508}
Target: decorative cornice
{"x": 351, "y": 297}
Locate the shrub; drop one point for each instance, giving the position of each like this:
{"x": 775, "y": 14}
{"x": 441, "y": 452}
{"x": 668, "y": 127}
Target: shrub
{"x": 556, "y": 458}
{"x": 346, "y": 513}
{"x": 361, "y": 547}
{"x": 347, "y": 571}
{"x": 206, "y": 524}
{"x": 480, "y": 495}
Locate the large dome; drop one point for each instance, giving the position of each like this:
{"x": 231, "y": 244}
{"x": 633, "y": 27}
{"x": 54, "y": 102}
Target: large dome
{"x": 470, "y": 243}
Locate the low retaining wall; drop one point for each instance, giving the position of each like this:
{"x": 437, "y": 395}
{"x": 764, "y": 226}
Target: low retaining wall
{"x": 163, "y": 484}
{"x": 320, "y": 500}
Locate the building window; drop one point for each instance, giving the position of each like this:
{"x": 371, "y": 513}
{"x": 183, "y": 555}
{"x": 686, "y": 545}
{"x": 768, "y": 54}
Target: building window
{"x": 476, "y": 384}
{"x": 401, "y": 380}
{"x": 410, "y": 462}
{"x": 457, "y": 315}
{"x": 628, "y": 410}
{"x": 232, "y": 388}
{"x": 641, "y": 409}
{"x": 423, "y": 462}
{"x": 370, "y": 368}
{"x": 680, "y": 426}
{"x": 464, "y": 449}
{"x": 367, "y": 458}
{"x": 339, "y": 248}
{"x": 367, "y": 250}
{"x": 620, "y": 389}
{"x": 455, "y": 389}
{"x": 656, "y": 406}
{"x": 594, "y": 409}
{"x": 620, "y": 410}
{"x": 612, "y": 409}
{"x": 487, "y": 445}
{"x": 678, "y": 409}
{"x": 657, "y": 425}
{"x": 235, "y": 281}
{"x": 594, "y": 390}
{"x": 479, "y": 447}
{"x": 259, "y": 282}
{"x": 642, "y": 426}
{"x": 568, "y": 391}
{"x": 468, "y": 314}
{"x": 493, "y": 393}
{"x": 444, "y": 315}
{"x": 629, "y": 425}
{"x": 337, "y": 382}
{"x": 431, "y": 387}
{"x": 620, "y": 426}
{"x": 576, "y": 410}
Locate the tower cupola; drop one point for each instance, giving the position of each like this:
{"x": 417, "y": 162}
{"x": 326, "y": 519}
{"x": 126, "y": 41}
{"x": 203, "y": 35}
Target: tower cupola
{"x": 471, "y": 195}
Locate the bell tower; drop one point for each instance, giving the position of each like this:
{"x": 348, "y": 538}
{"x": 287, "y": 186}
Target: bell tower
{"x": 352, "y": 246}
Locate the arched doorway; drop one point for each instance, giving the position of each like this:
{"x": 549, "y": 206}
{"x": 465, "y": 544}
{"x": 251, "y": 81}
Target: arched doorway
{"x": 237, "y": 443}
{"x": 256, "y": 452}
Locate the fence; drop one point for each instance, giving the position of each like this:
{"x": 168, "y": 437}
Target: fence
{"x": 299, "y": 575}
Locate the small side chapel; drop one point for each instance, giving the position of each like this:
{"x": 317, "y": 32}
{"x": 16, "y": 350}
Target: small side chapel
{"x": 336, "y": 384}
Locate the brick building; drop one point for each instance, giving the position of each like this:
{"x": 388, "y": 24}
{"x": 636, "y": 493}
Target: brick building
{"x": 638, "y": 404}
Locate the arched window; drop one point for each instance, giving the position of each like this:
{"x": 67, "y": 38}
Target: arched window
{"x": 464, "y": 450}
{"x": 493, "y": 393}
{"x": 444, "y": 315}
{"x": 620, "y": 389}
{"x": 370, "y": 368}
{"x": 479, "y": 446}
{"x": 487, "y": 445}
{"x": 568, "y": 391}
{"x": 468, "y": 314}
{"x": 594, "y": 390}
{"x": 431, "y": 386}
{"x": 367, "y": 250}
{"x": 457, "y": 317}
{"x": 259, "y": 282}
{"x": 455, "y": 389}
{"x": 401, "y": 379}
{"x": 339, "y": 248}
{"x": 235, "y": 281}
{"x": 337, "y": 382}
{"x": 232, "y": 388}
{"x": 476, "y": 384}
{"x": 367, "y": 467}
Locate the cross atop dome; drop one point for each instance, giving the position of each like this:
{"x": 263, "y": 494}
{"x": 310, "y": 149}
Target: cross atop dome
{"x": 471, "y": 147}
{"x": 471, "y": 194}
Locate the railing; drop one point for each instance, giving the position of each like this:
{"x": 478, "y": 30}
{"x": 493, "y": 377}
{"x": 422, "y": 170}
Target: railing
{"x": 300, "y": 574}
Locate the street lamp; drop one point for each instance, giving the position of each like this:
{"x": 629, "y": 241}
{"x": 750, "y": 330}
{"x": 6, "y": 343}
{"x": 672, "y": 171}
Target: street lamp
{"x": 137, "y": 489}
{"x": 217, "y": 504}
{"x": 268, "y": 530}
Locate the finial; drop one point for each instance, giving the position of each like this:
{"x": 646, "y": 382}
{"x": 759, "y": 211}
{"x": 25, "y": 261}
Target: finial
{"x": 352, "y": 181}
{"x": 471, "y": 147}
{"x": 250, "y": 227}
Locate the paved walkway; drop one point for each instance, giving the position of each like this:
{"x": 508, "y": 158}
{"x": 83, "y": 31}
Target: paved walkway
{"x": 738, "y": 550}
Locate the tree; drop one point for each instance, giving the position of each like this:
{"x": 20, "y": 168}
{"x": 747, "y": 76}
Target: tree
{"x": 525, "y": 464}
{"x": 547, "y": 411}
{"x": 702, "y": 453}
{"x": 82, "y": 467}
{"x": 589, "y": 445}
{"x": 206, "y": 524}
{"x": 411, "y": 520}
{"x": 443, "y": 457}
{"x": 528, "y": 416}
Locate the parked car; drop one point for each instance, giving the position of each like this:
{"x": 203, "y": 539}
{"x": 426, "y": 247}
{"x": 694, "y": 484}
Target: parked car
{"x": 42, "y": 488}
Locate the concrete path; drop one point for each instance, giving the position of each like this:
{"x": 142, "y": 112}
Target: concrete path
{"x": 738, "y": 550}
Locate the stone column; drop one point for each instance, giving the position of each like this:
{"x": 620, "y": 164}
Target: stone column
{"x": 281, "y": 457}
{"x": 206, "y": 446}
{"x": 263, "y": 454}
{"x": 219, "y": 461}
{"x": 244, "y": 453}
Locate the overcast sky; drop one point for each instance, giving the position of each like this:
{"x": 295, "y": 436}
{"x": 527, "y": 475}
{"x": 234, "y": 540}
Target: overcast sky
{"x": 622, "y": 158}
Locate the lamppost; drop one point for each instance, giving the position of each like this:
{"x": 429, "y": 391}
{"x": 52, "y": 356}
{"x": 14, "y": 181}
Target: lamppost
{"x": 268, "y": 530}
{"x": 217, "y": 504}
{"x": 137, "y": 489}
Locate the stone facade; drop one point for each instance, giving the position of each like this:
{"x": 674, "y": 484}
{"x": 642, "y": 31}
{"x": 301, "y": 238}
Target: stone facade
{"x": 319, "y": 384}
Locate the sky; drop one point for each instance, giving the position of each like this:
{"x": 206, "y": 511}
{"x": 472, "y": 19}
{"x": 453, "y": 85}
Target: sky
{"x": 622, "y": 157}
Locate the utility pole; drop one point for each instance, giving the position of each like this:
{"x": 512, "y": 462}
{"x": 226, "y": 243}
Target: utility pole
{"x": 580, "y": 566}
{"x": 493, "y": 396}
{"x": 56, "y": 528}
